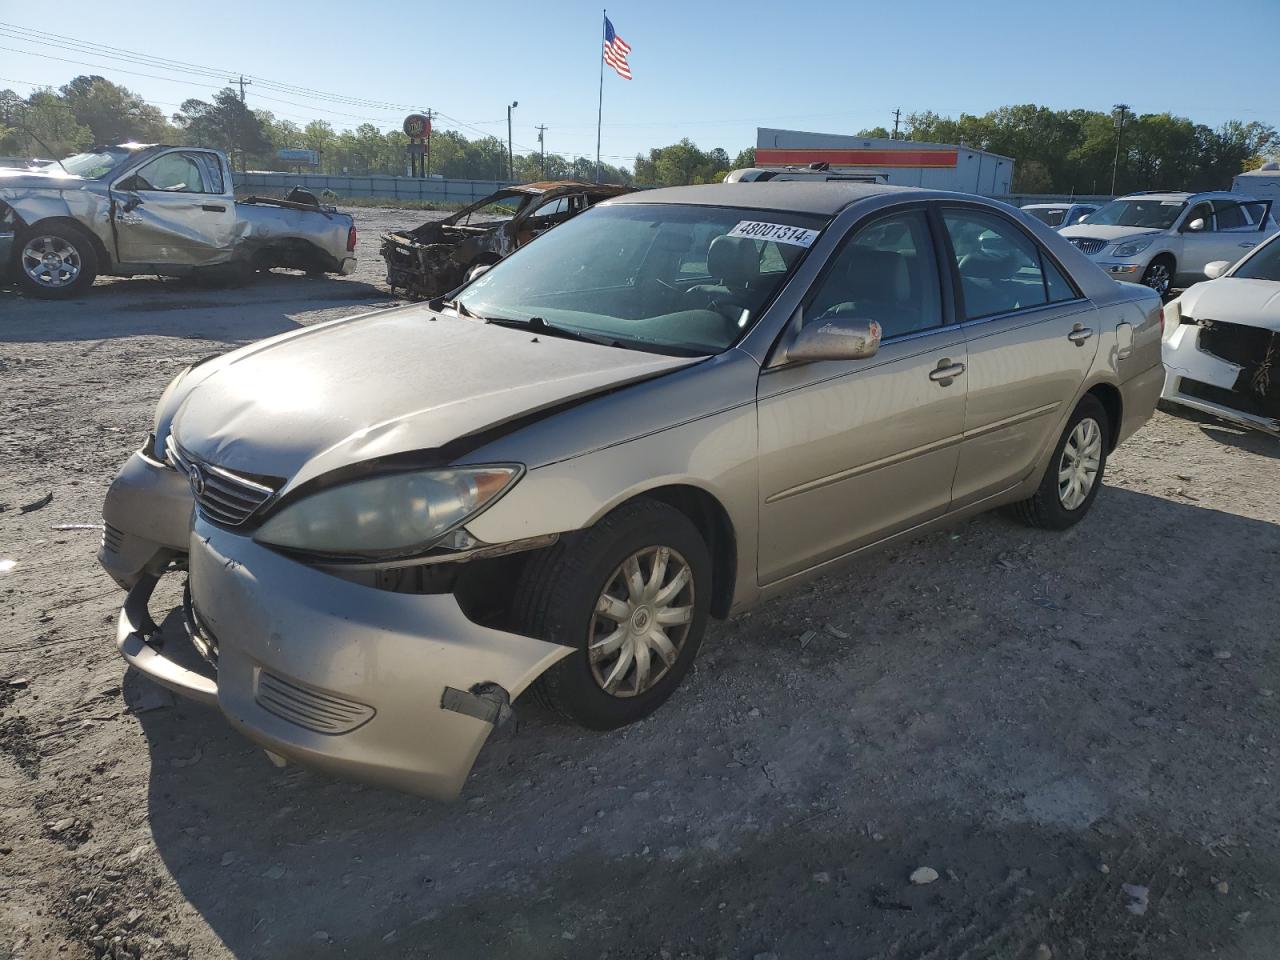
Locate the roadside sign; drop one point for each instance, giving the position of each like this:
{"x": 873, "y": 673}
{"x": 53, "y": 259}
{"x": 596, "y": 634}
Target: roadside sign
{"x": 417, "y": 126}
{"x": 299, "y": 158}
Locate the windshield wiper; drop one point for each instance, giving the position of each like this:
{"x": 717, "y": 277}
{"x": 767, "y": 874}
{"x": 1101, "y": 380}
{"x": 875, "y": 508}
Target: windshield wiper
{"x": 539, "y": 325}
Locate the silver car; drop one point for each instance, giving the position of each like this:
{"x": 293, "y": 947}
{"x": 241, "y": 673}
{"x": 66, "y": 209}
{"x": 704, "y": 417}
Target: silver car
{"x": 1165, "y": 240}
{"x": 674, "y": 406}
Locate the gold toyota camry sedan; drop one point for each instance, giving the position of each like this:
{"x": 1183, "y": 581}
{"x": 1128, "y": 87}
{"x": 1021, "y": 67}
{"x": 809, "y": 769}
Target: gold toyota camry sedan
{"x": 674, "y": 406}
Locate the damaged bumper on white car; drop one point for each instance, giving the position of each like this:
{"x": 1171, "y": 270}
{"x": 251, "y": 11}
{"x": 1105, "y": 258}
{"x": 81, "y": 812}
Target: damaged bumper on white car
{"x": 398, "y": 689}
{"x": 1228, "y": 370}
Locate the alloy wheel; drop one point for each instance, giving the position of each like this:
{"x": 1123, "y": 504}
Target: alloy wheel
{"x": 1158, "y": 278}
{"x": 1078, "y": 467}
{"x": 641, "y": 621}
{"x": 51, "y": 262}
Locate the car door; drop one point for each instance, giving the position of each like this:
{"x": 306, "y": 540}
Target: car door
{"x": 854, "y": 451}
{"x": 1031, "y": 340}
{"x": 176, "y": 209}
{"x": 1203, "y": 242}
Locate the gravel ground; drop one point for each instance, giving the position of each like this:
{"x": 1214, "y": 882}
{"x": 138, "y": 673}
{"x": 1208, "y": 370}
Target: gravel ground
{"x": 1075, "y": 732}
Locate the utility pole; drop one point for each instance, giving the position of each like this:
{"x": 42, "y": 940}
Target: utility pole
{"x": 1115, "y": 166}
{"x": 511, "y": 157}
{"x": 897, "y": 116}
{"x": 428, "y": 143}
{"x": 243, "y": 83}
{"x": 542, "y": 148}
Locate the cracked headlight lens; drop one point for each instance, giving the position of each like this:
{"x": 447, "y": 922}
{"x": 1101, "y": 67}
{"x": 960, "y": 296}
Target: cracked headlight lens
{"x": 395, "y": 514}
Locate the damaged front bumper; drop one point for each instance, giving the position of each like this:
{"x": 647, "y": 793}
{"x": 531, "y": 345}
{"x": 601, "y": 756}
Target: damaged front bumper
{"x": 396, "y": 689}
{"x": 1246, "y": 393}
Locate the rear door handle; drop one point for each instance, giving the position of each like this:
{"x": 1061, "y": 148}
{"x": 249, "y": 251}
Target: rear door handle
{"x": 213, "y": 208}
{"x": 1079, "y": 334}
{"x": 946, "y": 371}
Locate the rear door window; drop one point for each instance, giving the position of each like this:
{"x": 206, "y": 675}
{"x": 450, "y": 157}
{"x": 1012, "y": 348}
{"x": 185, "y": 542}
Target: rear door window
{"x": 1001, "y": 269}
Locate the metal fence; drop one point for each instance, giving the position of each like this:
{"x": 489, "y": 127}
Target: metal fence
{"x": 429, "y": 190}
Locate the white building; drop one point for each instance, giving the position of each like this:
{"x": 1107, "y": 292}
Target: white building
{"x": 908, "y": 163}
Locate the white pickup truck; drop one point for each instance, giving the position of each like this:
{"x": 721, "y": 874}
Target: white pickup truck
{"x": 152, "y": 209}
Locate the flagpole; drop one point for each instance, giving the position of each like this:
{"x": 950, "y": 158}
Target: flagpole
{"x": 600, "y": 108}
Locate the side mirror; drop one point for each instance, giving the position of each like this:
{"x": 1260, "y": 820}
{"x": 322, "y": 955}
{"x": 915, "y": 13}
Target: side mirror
{"x": 476, "y": 271}
{"x": 838, "y": 338}
{"x": 1196, "y": 225}
{"x": 1082, "y": 218}
{"x": 132, "y": 203}
{"x": 1216, "y": 269}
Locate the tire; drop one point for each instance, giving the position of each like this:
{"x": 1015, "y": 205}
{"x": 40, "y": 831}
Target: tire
{"x": 55, "y": 262}
{"x": 1159, "y": 276}
{"x": 1050, "y": 508}
{"x": 557, "y": 598}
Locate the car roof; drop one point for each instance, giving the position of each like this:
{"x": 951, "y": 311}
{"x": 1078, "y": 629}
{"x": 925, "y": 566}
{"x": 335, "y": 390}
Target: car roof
{"x": 1179, "y": 195}
{"x": 1055, "y": 206}
{"x": 826, "y": 197}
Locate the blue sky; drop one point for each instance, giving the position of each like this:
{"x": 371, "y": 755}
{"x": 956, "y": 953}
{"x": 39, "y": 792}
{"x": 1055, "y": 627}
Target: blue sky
{"x": 711, "y": 72}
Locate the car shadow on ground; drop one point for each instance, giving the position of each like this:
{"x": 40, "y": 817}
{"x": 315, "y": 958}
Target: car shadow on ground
{"x": 1228, "y": 433}
{"x": 180, "y": 308}
{"x": 792, "y": 835}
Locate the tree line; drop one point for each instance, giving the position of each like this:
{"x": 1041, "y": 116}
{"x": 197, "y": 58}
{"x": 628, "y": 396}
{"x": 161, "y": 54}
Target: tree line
{"x": 1056, "y": 151}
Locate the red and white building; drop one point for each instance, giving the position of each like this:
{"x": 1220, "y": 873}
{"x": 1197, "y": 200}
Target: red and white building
{"x": 908, "y": 163}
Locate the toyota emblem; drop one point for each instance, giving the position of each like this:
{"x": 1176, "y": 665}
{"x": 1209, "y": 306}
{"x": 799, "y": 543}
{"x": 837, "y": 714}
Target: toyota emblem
{"x": 196, "y": 476}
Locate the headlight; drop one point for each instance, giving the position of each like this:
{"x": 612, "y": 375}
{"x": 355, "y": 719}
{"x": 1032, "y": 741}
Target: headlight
{"x": 398, "y": 514}
{"x": 1131, "y": 248}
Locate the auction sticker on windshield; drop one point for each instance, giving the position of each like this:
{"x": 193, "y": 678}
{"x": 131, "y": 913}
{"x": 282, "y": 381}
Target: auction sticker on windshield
{"x": 777, "y": 232}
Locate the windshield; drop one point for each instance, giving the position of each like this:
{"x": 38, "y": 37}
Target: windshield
{"x": 660, "y": 277}
{"x": 95, "y": 164}
{"x": 1263, "y": 265}
{"x": 1159, "y": 214}
{"x": 1053, "y": 216}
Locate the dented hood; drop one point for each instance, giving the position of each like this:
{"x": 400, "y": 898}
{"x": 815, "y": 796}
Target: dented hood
{"x": 388, "y": 383}
{"x": 1253, "y": 303}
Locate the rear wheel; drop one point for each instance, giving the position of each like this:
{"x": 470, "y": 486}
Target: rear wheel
{"x": 632, "y": 595}
{"x": 1159, "y": 276}
{"x": 1074, "y": 475}
{"x": 56, "y": 261}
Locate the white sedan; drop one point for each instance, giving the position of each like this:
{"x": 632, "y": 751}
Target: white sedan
{"x": 1222, "y": 341}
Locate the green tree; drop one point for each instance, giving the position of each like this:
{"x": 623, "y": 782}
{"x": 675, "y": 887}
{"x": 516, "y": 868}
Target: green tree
{"x": 42, "y": 125}
{"x": 226, "y": 123}
{"x": 113, "y": 113}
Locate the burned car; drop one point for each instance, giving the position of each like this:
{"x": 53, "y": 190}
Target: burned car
{"x": 440, "y": 255}
{"x": 1222, "y": 342}
{"x": 673, "y": 407}
{"x": 152, "y": 209}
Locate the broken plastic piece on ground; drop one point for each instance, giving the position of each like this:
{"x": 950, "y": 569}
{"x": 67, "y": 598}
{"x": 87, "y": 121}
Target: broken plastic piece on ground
{"x": 7, "y": 565}
{"x": 37, "y": 504}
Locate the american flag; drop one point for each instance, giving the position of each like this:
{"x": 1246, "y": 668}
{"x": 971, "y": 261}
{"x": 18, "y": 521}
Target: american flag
{"x": 615, "y": 51}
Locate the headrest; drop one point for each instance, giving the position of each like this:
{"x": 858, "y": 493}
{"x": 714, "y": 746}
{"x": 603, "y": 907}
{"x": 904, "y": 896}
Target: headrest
{"x": 734, "y": 261}
{"x": 878, "y": 275}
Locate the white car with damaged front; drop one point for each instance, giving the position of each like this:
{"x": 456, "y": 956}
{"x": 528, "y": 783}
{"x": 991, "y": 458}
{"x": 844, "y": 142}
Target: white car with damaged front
{"x": 1222, "y": 341}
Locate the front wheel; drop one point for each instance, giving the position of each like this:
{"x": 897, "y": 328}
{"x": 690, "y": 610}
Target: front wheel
{"x": 1074, "y": 475}
{"x": 1159, "y": 276}
{"x": 56, "y": 261}
{"x": 632, "y": 595}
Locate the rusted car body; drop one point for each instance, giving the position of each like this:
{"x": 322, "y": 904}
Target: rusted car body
{"x": 436, "y": 257}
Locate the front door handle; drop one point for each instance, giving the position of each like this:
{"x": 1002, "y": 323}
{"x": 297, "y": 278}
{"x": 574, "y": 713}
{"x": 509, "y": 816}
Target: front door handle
{"x": 1079, "y": 334}
{"x": 946, "y": 371}
{"x": 1248, "y": 245}
{"x": 213, "y": 208}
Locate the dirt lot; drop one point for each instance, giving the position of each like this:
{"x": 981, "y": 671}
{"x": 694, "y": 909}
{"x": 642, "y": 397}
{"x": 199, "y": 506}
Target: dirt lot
{"x": 1049, "y": 722}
